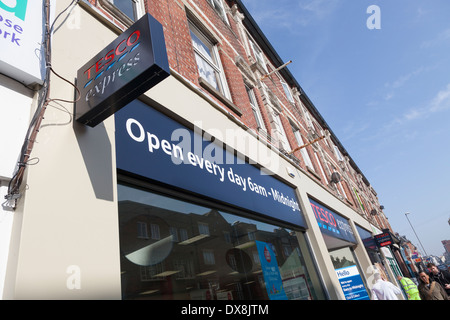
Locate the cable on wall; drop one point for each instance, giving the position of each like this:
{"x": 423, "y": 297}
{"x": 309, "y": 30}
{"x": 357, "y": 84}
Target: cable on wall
{"x": 44, "y": 99}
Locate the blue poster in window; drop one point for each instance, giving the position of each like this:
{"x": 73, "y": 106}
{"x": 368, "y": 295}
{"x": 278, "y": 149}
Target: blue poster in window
{"x": 352, "y": 283}
{"x": 271, "y": 272}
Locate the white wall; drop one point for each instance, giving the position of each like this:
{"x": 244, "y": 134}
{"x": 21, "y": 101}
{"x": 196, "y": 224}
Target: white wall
{"x": 15, "y": 104}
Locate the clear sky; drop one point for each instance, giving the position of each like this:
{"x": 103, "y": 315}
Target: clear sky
{"x": 384, "y": 92}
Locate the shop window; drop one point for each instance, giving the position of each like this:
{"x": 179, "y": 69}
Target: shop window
{"x": 227, "y": 263}
{"x": 345, "y": 263}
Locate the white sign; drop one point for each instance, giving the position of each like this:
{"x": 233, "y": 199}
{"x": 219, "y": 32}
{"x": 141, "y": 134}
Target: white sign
{"x": 21, "y": 38}
{"x": 352, "y": 284}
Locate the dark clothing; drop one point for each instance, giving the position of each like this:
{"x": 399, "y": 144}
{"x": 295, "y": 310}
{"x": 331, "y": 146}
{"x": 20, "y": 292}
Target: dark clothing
{"x": 432, "y": 291}
{"x": 443, "y": 278}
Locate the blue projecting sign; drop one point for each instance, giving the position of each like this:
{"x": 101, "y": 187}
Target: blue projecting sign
{"x": 331, "y": 223}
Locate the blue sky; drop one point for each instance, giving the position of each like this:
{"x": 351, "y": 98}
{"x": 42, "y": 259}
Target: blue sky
{"x": 385, "y": 93}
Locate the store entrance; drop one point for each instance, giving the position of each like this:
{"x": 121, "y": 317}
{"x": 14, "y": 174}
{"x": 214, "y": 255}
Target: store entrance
{"x": 349, "y": 273}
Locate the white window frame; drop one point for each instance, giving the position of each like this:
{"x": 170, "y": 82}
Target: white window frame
{"x": 308, "y": 119}
{"x": 174, "y": 234}
{"x": 156, "y": 235}
{"x": 303, "y": 151}
{"x": 203, "y": 228}
{"x": 209, "y": 257}
{"x": 338, "y": 153}
{"x": 183, "y": 234}
{"x": 287, "y": 91}
{"x": 212, "y": 60}
{"x": 321, "y": 168}
{"x": 342, "y": 189}
{"x": 219, "y": 8}
{"x": 280, "y": 128}
{"x": 255, "y": 108}
{"x": 258, "y": 54}
{"x": 142, "y": 230}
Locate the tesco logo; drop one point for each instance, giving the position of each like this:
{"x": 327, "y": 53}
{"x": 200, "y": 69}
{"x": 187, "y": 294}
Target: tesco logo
{"x": 104, "y": 63}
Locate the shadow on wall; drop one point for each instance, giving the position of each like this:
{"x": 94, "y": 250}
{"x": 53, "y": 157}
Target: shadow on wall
{"x": 95, "y": 148}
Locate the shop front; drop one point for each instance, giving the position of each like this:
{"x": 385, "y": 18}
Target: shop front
{"x": 339, "y": 238}
{"x": 151, "y": 200}
{"x": 198, "y": 222}
{"x": 373, "y": 251}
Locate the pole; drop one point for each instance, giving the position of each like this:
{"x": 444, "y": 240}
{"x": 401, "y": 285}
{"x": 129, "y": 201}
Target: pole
{"x": 406, "y": 215}
{"x": 277, "y": 69}
{"x": 307, "y": 144}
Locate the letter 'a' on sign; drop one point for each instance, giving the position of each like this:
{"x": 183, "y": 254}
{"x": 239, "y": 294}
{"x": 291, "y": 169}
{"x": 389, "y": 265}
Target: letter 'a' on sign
{"x": 129, "y": 66}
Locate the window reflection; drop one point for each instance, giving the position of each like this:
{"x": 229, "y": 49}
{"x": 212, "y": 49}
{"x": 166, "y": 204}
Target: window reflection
{"x": 172, "y": 249}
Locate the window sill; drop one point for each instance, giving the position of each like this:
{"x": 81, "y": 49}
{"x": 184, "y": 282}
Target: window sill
{"x": 205, "y": 85}
{"x": 256, "y": 66}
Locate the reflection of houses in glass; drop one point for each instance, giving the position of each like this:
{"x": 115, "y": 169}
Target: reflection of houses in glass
{"x": 172, "y": 255}
{"x": 339, "y": 263}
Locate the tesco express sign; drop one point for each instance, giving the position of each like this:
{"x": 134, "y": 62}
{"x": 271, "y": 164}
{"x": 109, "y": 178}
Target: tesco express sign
{"x": 21, "y": 37}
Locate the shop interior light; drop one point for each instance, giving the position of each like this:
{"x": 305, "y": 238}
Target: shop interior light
{"x": 148, "y": 292}
{"x": 193, "y": 239}
{"x": 153, "y": 253}
{"x": 245, "y": 245}
{"x": 206, "y": 273}
{"x": 167, "y": 273}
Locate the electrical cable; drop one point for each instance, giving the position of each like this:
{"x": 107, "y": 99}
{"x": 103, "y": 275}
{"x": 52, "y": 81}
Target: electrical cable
{"x": 35, "y": 123}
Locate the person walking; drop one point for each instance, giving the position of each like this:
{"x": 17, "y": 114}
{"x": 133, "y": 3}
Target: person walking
{"x": 410, "y": 288}
{"x": 429, "y": 289}
{"x": 384, "y": 290}
{"x": 440, "y": 276}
